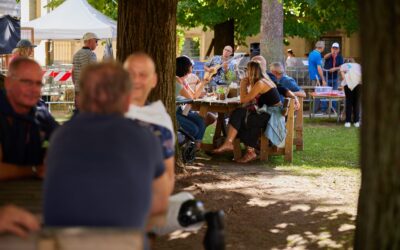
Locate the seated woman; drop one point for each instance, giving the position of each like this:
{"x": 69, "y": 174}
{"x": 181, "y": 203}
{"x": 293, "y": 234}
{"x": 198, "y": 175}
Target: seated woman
{"x": 192, "y": 123}
{"x": 245, "y": 123}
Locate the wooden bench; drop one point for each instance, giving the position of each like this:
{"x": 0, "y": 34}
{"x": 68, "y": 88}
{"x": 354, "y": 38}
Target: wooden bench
{"x": 265, "y": 149}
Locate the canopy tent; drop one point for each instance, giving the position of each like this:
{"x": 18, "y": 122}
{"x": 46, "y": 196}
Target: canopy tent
{"x": 10, "y": 34}
{"x": 10, "y": 7}
{"x": 71, "y": 20}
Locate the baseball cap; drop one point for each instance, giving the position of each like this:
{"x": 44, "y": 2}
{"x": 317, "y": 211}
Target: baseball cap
{"x": 289, "y": 50}
{"x": 89, "y": 35}
{"x": 24, "y": 43}
{"x": 335, "y": 45}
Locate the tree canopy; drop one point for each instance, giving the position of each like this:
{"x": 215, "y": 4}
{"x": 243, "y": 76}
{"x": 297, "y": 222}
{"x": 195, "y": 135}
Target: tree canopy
{"x": 312, "y": 18}
{"x": 208, "y": 13}
{"x": 304, "y": 18}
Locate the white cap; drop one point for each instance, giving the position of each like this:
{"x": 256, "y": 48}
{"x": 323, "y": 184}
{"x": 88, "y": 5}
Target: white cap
{"x": 89, "y": 35}
{"x": 335, "y": 45}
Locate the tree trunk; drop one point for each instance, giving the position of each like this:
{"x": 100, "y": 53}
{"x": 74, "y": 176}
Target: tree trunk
{"x": 378, "y": 220}
{"x": 272, "y": 31}
{"x": 150, "y": 26}
{"x": 224, "y": 35}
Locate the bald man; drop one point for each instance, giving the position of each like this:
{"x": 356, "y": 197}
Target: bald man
{"x": 224, "y": 62}
{"x": 141, "y": 69}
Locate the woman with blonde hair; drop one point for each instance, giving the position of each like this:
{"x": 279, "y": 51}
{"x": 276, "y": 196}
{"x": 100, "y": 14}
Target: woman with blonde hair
{"x": 256, "y": 90}
{"x": 24, "y": 48}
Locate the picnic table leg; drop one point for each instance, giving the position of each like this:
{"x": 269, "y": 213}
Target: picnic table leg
{"x": 299, "y": 127}
{"x": 218, "y": 129}
{"x": 203, "y": 111}
{"x": 329, "y": 107}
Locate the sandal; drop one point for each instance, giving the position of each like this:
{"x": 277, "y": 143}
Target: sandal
{"x": 248, "y": 157}
{"x": 224, "y": 148}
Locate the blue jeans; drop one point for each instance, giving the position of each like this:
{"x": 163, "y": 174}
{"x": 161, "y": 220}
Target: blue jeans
{"x": 193, "y": 124}
{"x": 334, "y": 84}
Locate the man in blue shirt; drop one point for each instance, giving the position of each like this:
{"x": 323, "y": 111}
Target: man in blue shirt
{"x": 278, "y": 76}
{"x": 315, "y": 65}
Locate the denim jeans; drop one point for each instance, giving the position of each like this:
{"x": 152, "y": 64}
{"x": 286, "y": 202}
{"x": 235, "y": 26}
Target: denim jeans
{"x": 193, "y": 124}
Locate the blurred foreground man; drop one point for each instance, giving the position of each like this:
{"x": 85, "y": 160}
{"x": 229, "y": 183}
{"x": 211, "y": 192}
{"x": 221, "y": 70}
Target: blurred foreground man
{"x": 24, "y": 123}
{"x": 104, "y": 169}
{"x": 154, "y": 116}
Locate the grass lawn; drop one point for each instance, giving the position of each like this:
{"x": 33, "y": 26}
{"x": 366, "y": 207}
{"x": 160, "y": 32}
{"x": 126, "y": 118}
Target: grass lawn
{"x": 326, "y": 144}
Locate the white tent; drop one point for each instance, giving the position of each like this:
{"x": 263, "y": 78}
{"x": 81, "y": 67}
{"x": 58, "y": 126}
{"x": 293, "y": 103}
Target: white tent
{"x": 71, "y": 20}
{"x": 10, "y": 7}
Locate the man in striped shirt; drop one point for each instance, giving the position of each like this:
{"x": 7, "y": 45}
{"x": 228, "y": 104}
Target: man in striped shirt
{"x": 83, "y": 57}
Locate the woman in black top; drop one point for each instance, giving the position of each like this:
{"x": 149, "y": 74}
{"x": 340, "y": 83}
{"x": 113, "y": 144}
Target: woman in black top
{"x": 256, "y": 90}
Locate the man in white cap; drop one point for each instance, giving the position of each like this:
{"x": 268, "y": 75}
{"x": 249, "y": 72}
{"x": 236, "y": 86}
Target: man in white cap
{"x": 333, "y": 61}
{"x": 83, "y": 57}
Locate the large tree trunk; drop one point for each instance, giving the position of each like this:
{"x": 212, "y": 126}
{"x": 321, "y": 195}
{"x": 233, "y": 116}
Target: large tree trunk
{"x": 150, "y": 26}
{"x": 378, "y": 220}
{"x": 224, "y": 35}
{"x": 272, "y": 31}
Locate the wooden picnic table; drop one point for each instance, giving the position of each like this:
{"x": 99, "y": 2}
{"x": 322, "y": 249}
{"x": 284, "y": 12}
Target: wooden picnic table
{"x": 27, "y": 193}
{"x": 223, "y": 108}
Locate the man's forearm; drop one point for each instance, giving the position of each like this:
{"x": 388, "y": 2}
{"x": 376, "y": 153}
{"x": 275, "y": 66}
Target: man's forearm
{"x": 300, "y": 93}
{"x": 160, "y": 195}
{"x": 321, "y": 74}
{"x": 169, "y": 168}
{"x": 11, "y": 171}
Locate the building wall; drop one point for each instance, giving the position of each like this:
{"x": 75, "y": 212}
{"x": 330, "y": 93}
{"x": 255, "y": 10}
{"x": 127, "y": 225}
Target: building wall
{"x": 205, "y": 38}
{"x": 300, "y": 46}
{"x": 65, "y": 50}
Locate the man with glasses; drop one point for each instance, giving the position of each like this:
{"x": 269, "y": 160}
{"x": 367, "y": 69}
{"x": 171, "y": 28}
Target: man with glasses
{"x": 218, "y": 66}
{"x": 24, "y": 127}
{"x": 83, "y": 57}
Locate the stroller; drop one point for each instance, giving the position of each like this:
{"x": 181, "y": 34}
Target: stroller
{"x": 186, "y": 142}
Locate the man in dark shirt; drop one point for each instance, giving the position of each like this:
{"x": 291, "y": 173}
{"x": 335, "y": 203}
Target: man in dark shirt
{"x": 104, "y": 169}
{"x": 333, "y": 61}
{"x": 24, "y": 123}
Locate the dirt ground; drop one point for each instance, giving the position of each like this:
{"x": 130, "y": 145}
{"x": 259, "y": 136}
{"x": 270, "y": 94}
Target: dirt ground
{"x": 272, "y": 207}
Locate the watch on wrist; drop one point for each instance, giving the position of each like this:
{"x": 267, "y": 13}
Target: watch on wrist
{"x": 34, "y": 170}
